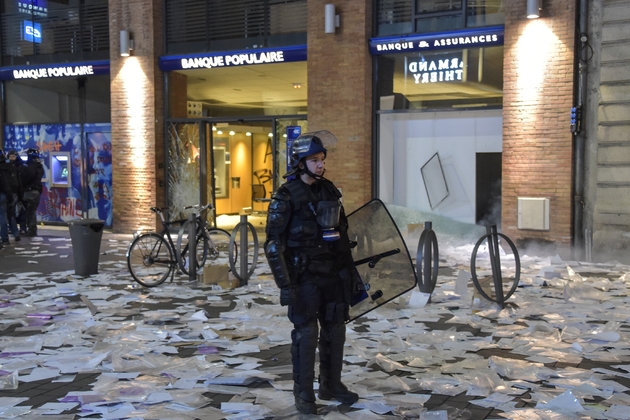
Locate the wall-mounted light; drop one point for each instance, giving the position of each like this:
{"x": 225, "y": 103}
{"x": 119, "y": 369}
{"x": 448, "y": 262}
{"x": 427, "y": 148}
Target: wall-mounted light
{"x": 533, "y": 9}
{"x": 126, "y": 43}
{"x": 331, "y": 19}
{"x": 297, "y": 85}
{"x": 248, "y": 134}
{"x": 232, "y": 133}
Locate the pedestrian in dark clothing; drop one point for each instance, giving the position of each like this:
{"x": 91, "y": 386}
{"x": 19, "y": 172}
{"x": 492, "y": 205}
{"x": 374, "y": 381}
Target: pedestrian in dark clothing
{"x": 12, "y": 175}
{"x": 32, "y": 175}
{"x": 5, "y": 192}
{"x": 20, "y": 209}
{"x": 309, "y": 254}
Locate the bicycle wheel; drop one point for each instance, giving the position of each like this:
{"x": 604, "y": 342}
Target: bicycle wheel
{"x": 182, "y": 245}
{"x": 220, "y": 247}
{"x": 150, "y": 259}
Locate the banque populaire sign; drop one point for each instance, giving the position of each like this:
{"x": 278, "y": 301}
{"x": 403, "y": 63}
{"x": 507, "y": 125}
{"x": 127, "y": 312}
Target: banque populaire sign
{"x": 233, "y": 58}
{"x": 50, "y": 71}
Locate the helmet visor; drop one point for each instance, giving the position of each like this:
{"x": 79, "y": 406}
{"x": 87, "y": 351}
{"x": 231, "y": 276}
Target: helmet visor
{"x": 303, "y": 143}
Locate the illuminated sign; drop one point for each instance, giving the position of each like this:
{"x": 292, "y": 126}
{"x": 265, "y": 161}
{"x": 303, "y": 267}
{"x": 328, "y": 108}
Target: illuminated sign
{"x": 32, "y": 31}
{"x": 54, "y": 71}
{"x": 33, "y": 7}
{"x": 233, "y": 58}
{"x": 470, "y": 38}
{"x": 438, "y": 68}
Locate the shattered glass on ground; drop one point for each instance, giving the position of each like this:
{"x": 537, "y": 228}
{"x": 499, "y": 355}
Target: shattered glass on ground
{"x": 105, "y": 347}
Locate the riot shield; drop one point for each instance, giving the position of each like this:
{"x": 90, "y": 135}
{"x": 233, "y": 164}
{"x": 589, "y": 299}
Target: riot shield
{"x": 380, "y": 257}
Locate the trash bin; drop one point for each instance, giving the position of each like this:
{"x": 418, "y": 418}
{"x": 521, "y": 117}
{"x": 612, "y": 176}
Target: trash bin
{"x": 86, "y": 237}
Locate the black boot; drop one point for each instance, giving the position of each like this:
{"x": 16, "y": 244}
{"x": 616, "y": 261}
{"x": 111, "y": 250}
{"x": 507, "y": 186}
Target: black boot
{"x": 304, "y": 344}
{"x": 331, "y": 342}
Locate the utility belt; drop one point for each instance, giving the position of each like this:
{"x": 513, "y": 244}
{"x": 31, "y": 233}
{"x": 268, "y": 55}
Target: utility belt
{"x": 313, "y": 261}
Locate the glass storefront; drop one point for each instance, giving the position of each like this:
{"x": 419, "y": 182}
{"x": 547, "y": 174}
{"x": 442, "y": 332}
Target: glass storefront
{"x": 228, "y": 121}
{"x": 77, "y": 160}
{"x": 58, "y": 100}
{"x": 438, "y": 109}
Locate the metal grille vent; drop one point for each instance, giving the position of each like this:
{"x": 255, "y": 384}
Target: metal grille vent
{"x": 218, "y": 25}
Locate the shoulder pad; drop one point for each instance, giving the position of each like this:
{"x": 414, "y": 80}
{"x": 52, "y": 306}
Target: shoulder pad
{"x": 281, "y": 193}
{"x": 328, "y": 184}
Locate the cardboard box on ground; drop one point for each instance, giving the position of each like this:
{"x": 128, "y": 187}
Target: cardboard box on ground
{"x": 219, "y": 274}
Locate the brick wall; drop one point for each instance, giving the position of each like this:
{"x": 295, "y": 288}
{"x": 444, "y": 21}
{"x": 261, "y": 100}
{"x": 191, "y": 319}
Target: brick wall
{"x": 340, "y": 94}
{"x": 137, "y": 97}
{"x": 537, "y": 97}
{"x": 177, "y": 97}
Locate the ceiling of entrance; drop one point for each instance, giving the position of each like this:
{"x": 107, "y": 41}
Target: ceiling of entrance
{"x": 278, "y": 89}
{"x": 281, "y": 89}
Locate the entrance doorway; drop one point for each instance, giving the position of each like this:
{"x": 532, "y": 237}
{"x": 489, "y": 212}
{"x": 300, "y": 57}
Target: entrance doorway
{"x": 236, "y": 165}
{"x": 240, "y": 165}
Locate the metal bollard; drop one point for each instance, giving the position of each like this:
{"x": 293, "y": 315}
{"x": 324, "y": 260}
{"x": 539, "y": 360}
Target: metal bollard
{"x": 427, "y": 259}
{"x": 192, "y": 247}
{"x": 243, "y": 232}
{"x": 242, "y": 228}
{"x": 495, "y": 263}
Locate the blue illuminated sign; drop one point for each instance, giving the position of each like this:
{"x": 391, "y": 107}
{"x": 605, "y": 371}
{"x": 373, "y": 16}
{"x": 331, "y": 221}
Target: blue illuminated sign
{"x": 92, "y": 68}
{"x": 233, "y": 58}
{"x": 469, "y": 38}
{"x": 33, "y": 7}
{"x": 293, "y": 132}
{"x": 32, "y": 31}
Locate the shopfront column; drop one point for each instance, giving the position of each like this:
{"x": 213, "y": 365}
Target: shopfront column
{"x": 340, "y": 93}
{"x": 137, "y": 98}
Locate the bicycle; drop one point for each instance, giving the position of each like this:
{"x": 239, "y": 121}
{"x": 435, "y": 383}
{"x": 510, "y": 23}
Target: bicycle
{"x": 152, "y": 257}
{"x": 212, "y": 243}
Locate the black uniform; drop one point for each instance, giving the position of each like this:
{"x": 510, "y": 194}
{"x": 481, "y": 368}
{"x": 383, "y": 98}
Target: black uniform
{"x": 32, "y": 175}
{"x": 11, "y": 174}
{"x": 316, "y": 278}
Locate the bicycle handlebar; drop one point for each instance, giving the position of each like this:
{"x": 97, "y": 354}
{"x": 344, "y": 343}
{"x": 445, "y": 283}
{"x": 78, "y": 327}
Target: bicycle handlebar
{"x": 199, "y": 207}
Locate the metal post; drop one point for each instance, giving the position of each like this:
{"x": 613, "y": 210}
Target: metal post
{"x": 243, "y": 245}
{"x": 192, "y": 247}
{"x": 426, "y": 269}
{"x": 495, "y": 263}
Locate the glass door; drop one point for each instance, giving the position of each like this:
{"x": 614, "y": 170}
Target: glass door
{"x": 184, "y": 166}
{"x": 239, "y": 162}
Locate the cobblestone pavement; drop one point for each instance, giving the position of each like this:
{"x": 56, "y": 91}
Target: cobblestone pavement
{"x": 187, "y": 350}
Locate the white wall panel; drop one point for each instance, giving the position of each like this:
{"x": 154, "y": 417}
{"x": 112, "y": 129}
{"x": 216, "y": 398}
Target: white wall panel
{"x": 408, "y": 141}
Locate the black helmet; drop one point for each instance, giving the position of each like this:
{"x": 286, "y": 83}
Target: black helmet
{"x": 13, "y": 152}
{"x": 32, "y": 153}
{"x": 306, "y": 145}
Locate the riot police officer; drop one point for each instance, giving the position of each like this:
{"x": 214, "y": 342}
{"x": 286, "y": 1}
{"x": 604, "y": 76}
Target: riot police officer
{"x": 309, "y": 255}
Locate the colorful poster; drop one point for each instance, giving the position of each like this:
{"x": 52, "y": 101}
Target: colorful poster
{"x": 87, "y": 196}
